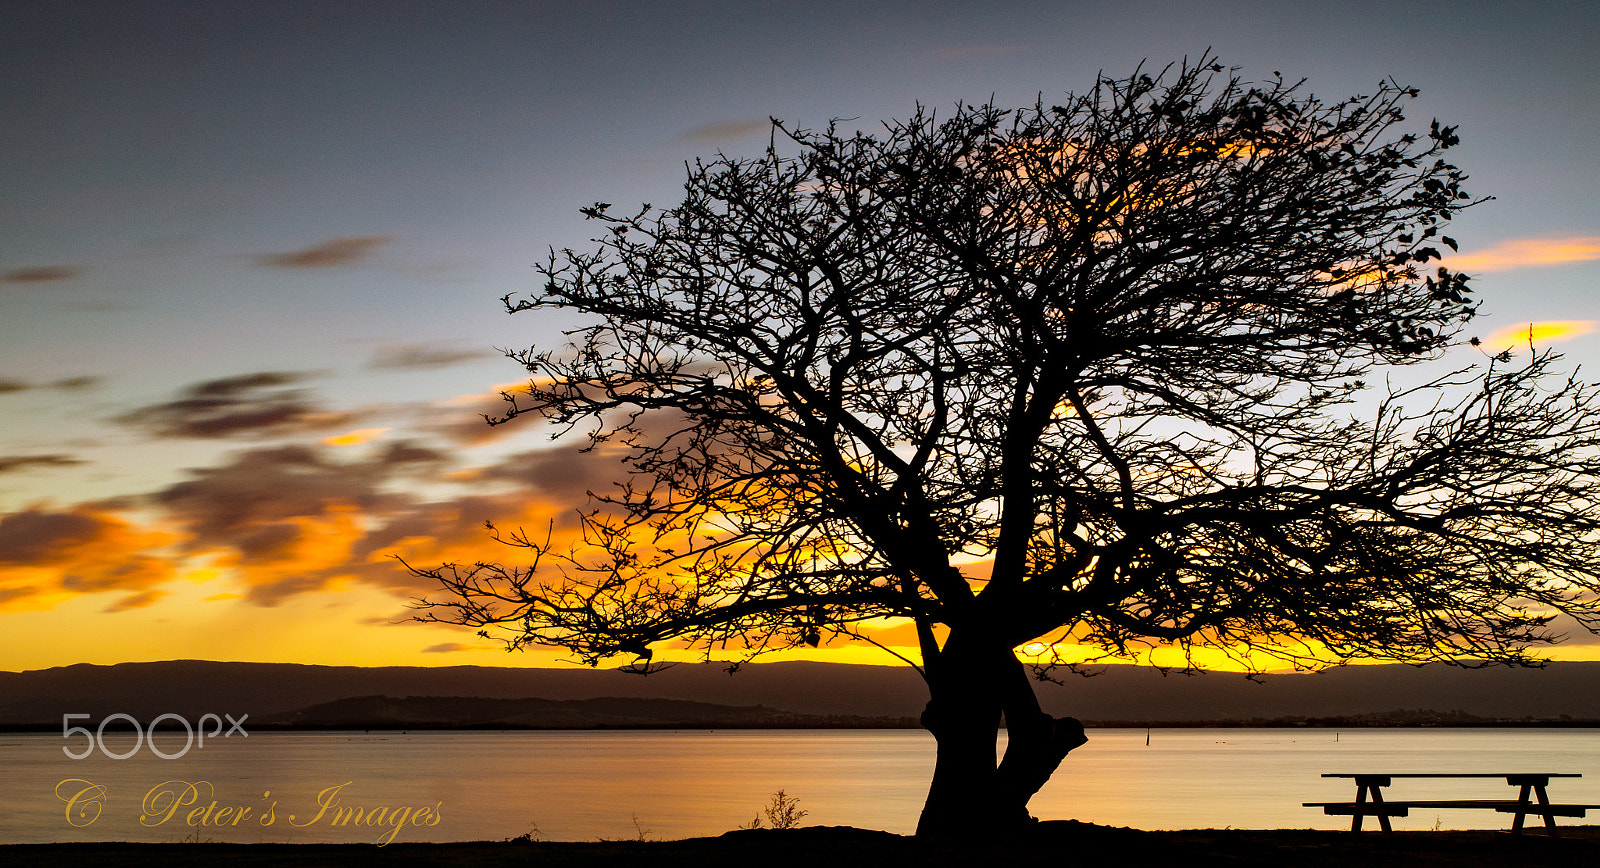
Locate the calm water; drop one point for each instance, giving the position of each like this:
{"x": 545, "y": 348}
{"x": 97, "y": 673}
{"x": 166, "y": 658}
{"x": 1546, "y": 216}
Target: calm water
{"x": 587, "y": 785}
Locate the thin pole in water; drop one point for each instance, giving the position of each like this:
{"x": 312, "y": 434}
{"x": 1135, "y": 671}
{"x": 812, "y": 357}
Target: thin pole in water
{"x": 1147, "y": 736}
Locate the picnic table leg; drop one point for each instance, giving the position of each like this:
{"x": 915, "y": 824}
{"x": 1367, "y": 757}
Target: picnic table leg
{"x": 1362, "y": 789}
{"x": 1522, "y": 805}
{"x": 1549, "y": 818}
{"x": 1383, "y": 818}
{"x": 1361, "y": 799}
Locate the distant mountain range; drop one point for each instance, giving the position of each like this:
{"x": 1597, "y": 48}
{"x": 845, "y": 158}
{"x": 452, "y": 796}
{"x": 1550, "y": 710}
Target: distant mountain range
{"x": 460, "y": 712}
{"x": 798, "y": 694}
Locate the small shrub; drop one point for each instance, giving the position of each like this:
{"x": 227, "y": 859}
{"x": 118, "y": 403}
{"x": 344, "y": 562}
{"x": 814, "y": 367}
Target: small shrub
{"x": 784, "y": 812}
{"x": 533, "y": 834}
{"x": 641, "y": 831}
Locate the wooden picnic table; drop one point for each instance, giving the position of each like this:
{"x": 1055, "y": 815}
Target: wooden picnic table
{"x": 1532, "y": 799}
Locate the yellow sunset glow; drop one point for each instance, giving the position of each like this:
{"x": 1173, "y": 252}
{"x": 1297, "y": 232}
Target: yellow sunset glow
{"x": 1539, "y": 333}
{"x": 348, "y": 626}
{"x": 354, "y": 438}
{"x": 208, "y": 613}
{"x": 1527, "y": 253}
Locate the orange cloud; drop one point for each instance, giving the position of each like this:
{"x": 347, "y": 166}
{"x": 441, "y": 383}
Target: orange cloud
{"x": 1527, "y": 253}
{"x": 295, "y": 555}
{"x": 334, "y": 252}
{"x": 454, "y": 532}
{"x": 291, "y": 520}
{"x": 1539, "y": 333}
{"x": 274, "y": 524}
{"x": 46, "y": 556}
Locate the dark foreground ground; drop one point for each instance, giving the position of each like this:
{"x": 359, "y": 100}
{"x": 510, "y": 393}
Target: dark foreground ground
{"x": 1056, "y": 844}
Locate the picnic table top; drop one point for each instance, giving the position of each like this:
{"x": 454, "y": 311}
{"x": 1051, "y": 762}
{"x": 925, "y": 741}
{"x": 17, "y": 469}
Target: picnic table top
{"x": 1452, "y": 775}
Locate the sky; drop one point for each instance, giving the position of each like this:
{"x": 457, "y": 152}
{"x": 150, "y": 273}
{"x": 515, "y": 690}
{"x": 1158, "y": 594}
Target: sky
{"x": 252, "y": 256}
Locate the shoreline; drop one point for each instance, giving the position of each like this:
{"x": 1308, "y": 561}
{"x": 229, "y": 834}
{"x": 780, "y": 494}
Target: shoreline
{"x": 1052, "y": 843}
{"x": 906, "y": 723}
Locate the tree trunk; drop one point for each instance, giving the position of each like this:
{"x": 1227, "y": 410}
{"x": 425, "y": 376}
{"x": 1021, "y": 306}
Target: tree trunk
{"x": 972, "y": 795}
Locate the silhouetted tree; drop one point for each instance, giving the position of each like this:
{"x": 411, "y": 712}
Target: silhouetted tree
{"x": 1114, "y": 349}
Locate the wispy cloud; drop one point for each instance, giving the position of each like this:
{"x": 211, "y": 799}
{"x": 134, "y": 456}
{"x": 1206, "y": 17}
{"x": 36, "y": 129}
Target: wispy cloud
{"x": 11, "y": 463}
{"x": 292, "y": 520}
{"x": 346, "y": 250}
{"x": 259, "y": 494}
{"x": 301, "y": 516}
{"x": 422, "y": 356}
{"x": 462, "y": 419}
{"x": 723, "y": 130}
{"x": 228, "y": 387}
{"x": 31, "y": 535}
{"x": 405, "y": 454}
{"x": 41, "y": 274}
{"x": 136, "y": 601}
{"x": 66, "y": 384}
{"x": 289, "y": 520}
{"x": 1539, "y": 333}
{"x": 562, "y": 474}
{"x": 249, "y": 404}
{"x": 448, "y": 648}
{"x": 1527, "y": 253}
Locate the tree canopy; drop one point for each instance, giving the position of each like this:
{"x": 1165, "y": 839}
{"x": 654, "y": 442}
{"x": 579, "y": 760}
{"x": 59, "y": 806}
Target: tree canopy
{"x": 1128, "y": 353}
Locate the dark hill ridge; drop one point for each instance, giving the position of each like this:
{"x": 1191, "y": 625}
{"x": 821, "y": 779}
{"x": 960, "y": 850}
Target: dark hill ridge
{"x": 192, "y": 687}
{"x": 1122, "y": 693}
{"x": 464, "y": 712}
